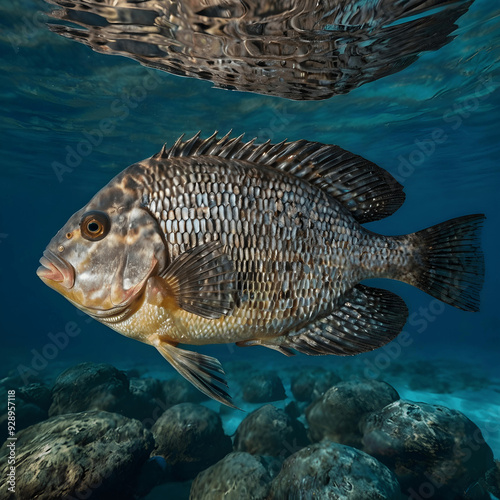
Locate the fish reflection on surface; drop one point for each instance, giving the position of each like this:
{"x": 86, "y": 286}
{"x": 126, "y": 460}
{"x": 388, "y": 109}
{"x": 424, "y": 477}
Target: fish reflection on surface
{"x": 301, "y": 50}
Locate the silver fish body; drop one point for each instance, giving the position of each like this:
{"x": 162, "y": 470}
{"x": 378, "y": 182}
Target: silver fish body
{"x": 217, "y": 241}
{"x": 295, "y": 251}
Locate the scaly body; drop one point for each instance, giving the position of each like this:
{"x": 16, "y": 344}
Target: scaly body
{"x": 218, "y": 241}
{"x": 295, "y": 250}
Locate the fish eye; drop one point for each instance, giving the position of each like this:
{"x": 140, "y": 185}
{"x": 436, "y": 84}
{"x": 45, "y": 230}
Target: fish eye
{"x": 94, "y": 226}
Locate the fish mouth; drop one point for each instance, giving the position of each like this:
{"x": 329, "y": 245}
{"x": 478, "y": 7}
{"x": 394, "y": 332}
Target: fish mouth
{"x": 54, "y": 268}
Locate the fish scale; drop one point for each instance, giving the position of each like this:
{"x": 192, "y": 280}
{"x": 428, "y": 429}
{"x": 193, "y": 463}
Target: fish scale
{"x": 313, "y": 258}
{"x": 217, "y": 240}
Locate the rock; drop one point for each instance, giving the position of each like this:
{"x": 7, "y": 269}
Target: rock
{"x": 476, "y": 492}
{"x": 77, "y": 455}
{"x": 146, "y": 401}
{"x": 27, "y": 414}
{"x": 270, "y": 431}
{"x": 179, "y": 390}
{"x": 435, "y": 452}
{"x": 190, "y": 438}
{"x": 153, "y": 472}
{"x": 261, "y": 387}
{"x": 238, "y": 476}
{"x": 238, "y": 370}
{"x": 293, "y": 410}
{"x": 149, "y": 388}
{"x": 30, "y": 402}
{"x": 491, "y": 481}
{"x": 37, "y": 394}
{"x": 329, "y": 470}
{"x": 311, "y": 382}
{"x": 90, "y": 386}
{"x": 338, "y": 414}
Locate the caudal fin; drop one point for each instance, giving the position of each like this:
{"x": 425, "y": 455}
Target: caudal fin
{"x": 451, "y": 261}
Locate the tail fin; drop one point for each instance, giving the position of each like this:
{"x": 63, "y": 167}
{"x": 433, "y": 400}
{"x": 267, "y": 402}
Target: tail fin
{"x": 452, "y": 263}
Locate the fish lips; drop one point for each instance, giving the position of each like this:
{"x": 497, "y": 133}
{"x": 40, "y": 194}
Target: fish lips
{"x": 55, "y": 269}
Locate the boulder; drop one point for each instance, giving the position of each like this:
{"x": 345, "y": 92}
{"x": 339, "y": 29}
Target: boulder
{"x": 337, "y": 415}
{"x": 329, "y": 470}
{"x": 238, "y": 476}
{"x": 262, "y": 387}
{"x": 179, "y": 390}
{"x": 190, "y": 438}
{"x": 491, "y": 480}
{"x": 146, "y": 400}
{"x": 31, "y": 403}
{"x": 153, "y": 472}
{"x": 270, "y": 431}
{"x": 90, "y": 386}
{"x": 77, "y": 455}
{"x": 37, "y": 394}
{"x": 311, "y": 382}
{"x": 435, "y": 452}
{"x": 27, "y": 414}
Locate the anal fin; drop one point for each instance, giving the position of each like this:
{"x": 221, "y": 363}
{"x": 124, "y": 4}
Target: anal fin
{"x": 369, "y": 318}
{"x": 287, "y": 351}
{"x": 204, "y": 372}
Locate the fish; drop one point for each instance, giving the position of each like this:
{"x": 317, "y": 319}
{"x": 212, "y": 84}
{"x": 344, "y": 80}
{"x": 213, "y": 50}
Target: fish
{"x": 218, "y": 240}
{"x": 294, "y": 49}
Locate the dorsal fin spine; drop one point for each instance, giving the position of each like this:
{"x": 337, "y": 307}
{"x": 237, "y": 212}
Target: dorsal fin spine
{"x": 177, "y": 146}
{"x": 204, "y": 147}
{"x": 230, "y": 147}
{"x": 367, "y": 191}
{"x": 188, "y": 145}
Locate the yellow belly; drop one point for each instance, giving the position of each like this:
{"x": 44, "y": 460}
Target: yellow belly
{"x": 151, "y": 322}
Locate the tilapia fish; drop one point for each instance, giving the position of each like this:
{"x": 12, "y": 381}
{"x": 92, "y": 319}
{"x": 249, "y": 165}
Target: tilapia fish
{"x": 219, "y": 241}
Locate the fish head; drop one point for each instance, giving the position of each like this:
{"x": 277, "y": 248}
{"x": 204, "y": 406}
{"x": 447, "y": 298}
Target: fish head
{"x": 101, "y": 259}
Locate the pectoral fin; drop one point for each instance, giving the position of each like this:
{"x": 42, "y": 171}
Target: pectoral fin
{"x": 204, "y": 372}
{"x": 203, "y": 281}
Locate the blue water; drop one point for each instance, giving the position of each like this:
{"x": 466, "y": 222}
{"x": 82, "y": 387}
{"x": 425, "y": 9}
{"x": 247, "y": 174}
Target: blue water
{"x": 434, "y": 126}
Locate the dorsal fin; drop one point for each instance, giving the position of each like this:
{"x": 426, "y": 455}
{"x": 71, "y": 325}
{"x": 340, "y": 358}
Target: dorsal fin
{"x": 366, "y": 190}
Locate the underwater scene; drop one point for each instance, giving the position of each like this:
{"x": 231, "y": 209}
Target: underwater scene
{"x": 291, "y": 209}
